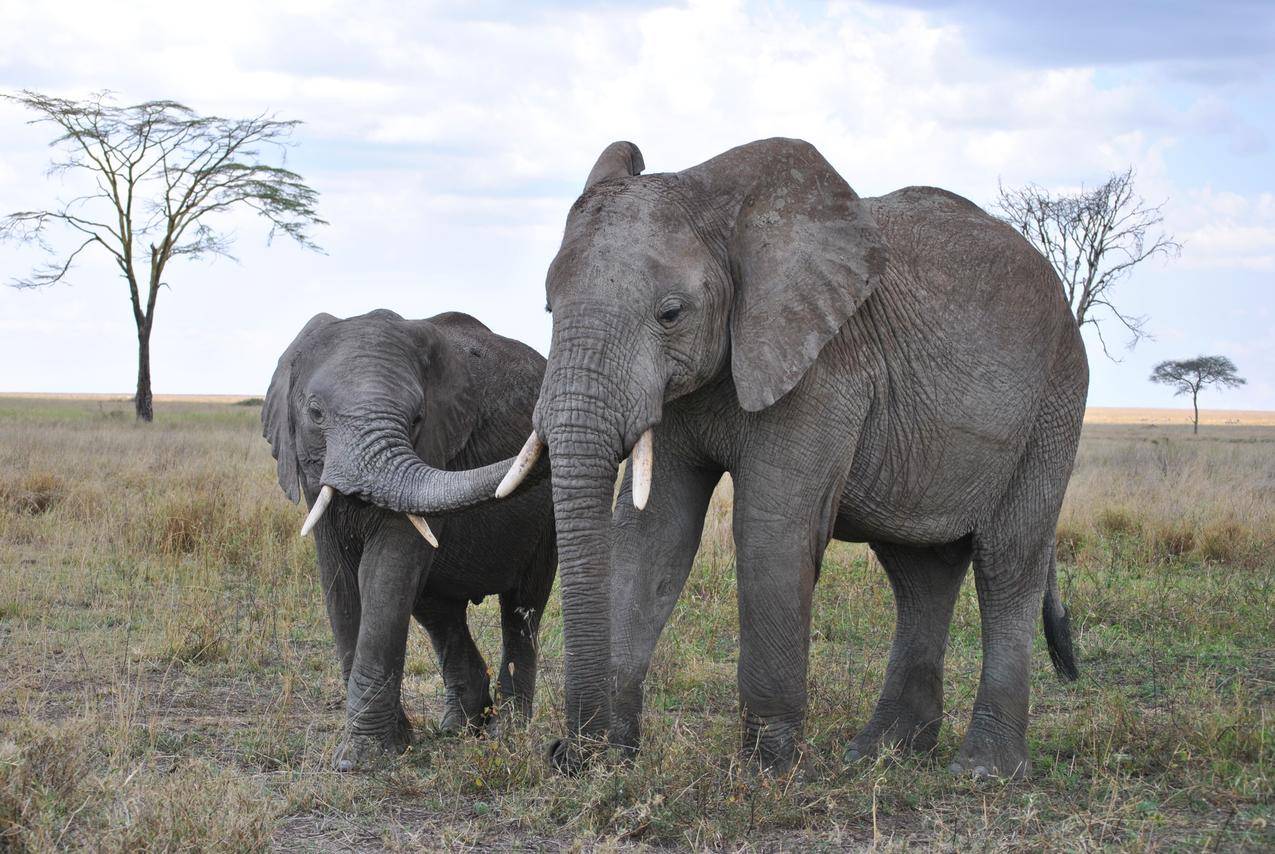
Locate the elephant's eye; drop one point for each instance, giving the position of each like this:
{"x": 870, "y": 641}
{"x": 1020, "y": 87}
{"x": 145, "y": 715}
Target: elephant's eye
{"x": 316, "y": 414}
{"x": 668, "y": 311}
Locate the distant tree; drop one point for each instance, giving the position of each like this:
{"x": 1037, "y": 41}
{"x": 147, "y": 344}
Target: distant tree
{"x": 160, "y": 175}
{"x": 1193, "y": 375}
{"x": 1093, "y": 239}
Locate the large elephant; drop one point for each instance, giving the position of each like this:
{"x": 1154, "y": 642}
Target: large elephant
{"x": 362, "y": 415}
{"x": 900, "y": 370}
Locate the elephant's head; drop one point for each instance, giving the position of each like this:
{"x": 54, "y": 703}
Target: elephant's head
{"x": 746, "y": 266}
{"x": 375, "y": 407}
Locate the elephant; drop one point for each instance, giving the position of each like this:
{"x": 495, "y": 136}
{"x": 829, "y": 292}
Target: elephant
{"x": 362, "y": 414}
{"x": 901, "y": 371}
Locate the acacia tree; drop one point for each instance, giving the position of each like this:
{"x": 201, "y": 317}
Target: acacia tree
{"x": 156, "y": 175}
{"x": 1193, "y": 375}
{"x": 1093, "y": 239}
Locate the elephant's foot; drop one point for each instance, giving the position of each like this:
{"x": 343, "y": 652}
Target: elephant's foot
{"x": 457, "y": 722}
{"x": 363, "y": 752}
{"x": 770, "y": 745}
{"x": 570, "y": 757}
{"x": 506, "y": 717}
{"x": 894, "y": 726}
{"x": 991, "y": 751}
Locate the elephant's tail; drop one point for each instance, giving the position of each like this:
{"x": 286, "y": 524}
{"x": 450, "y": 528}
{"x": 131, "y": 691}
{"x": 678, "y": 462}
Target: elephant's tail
{"x": 1058, "y": 629}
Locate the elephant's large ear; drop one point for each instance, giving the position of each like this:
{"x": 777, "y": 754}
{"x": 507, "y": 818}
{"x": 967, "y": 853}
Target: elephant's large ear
{"x": 276, "y": 412}
{"x": 805, "y": 254}
{"x": 617, "y": 160}
{"x": 451, "y": 401}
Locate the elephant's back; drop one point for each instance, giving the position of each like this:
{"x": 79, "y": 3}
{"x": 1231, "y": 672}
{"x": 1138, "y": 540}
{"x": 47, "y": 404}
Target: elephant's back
{"x": 961, "y": 260}
{"x": 967, "y": 291}
{"x": 959, "y": 343}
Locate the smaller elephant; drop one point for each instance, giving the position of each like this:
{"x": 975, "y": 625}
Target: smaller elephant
{"x": 366, "y": 414}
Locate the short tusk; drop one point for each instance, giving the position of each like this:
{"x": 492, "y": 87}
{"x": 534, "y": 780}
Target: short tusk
{"x": 642, "y": 460}
{"x": 316, "y": 512}
{"x": 423, "y": 527}
{"x": 524, "y": 463}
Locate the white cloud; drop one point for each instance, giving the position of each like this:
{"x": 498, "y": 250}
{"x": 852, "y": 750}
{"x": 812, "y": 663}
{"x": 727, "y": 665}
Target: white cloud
{"x": 1225, "y": 230}
{"x": 448, "y": 145}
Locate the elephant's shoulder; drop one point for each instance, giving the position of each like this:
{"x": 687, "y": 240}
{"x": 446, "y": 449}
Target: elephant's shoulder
{"x": 461, "y": 322}
{"x": 934, "y": 198}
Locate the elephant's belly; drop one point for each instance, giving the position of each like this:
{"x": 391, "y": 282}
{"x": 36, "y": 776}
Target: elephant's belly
{"x": 938, "y": 499}
{"x": 486, "y": 551}
{"x": 471, "y": 569}
{"x": 862, "y": 525}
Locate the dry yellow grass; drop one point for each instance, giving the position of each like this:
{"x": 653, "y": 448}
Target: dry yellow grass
{"x": 125, "y": 398}
{"x": 1166, "y": 416}
{"x": 167, "y": 677}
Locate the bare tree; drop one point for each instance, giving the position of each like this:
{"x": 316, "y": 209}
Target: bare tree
{"x": 1193, "y": 375}
{"x": 1093, "y": 239}
{"x": 159, "y": 176}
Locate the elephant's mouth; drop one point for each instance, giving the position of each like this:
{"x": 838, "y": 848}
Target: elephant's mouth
{"x": 641, "y": 461}
{"x": 327, "y": 493}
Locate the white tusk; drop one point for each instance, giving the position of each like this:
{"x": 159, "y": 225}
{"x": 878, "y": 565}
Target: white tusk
{"x": 316, "y": 512}
{"x": 642, "y": 460}
{"x": 524, "y": 463}
{"x": 423, "y": 526}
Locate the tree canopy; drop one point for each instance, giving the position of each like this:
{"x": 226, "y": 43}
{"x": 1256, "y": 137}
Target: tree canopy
{"x": 159, "y": 176}
{"x": 1191, "y": 376}
{"x": 1093, "y": 239}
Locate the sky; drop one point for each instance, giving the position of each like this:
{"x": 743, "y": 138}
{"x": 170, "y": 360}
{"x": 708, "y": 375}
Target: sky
{"x": 448, "y": 140}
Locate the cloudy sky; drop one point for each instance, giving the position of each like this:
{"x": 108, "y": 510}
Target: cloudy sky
{"x": 449, "y": 140}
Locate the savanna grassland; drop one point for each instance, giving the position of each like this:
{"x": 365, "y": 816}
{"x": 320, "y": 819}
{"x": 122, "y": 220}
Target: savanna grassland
{"x": 167, "y": 679}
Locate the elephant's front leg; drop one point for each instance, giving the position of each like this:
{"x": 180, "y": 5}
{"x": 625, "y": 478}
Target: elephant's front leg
{"x": 779, "y": 540}
{"x": 390, "y": 573}
{"x": 651, "y": 557}
{"x": 338, "y": 574}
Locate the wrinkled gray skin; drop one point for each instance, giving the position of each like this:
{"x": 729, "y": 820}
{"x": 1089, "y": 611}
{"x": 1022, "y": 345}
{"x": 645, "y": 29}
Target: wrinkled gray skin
{"x": 376, "y": 406}
{"x": 899, "y": 370}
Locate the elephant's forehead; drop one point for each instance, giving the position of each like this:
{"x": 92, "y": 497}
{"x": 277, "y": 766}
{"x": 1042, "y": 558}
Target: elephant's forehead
{"x": 358, "y": 343}
{"x": 654, "y": 203}
{"x": 624, "y": 257}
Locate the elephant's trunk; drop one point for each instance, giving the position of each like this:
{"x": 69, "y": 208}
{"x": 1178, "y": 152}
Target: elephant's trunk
{"x": 584, "y": 463}
{"x": 589, "y": 418}
{"x": 376, "y": 462}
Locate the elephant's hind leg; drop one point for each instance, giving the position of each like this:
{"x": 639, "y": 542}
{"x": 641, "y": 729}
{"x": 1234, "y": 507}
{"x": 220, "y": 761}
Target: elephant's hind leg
{"x": 909, "y": 712}
{"x": 520, "y": 613}
{"x": 1013, "y": 554}
{"x": 465, "y": 679}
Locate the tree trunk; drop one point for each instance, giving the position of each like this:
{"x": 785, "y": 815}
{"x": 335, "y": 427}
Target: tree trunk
{"x": 142, "y": 400}
{"x": 1195, "y": 404}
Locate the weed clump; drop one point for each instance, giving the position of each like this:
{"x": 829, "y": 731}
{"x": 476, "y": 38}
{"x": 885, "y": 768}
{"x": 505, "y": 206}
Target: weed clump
{"x": 32, "y": 494}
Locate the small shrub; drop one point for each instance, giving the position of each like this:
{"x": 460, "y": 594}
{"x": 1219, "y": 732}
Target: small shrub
{"x": 196, "y": 636}
{"x": 1068, "y": 542}
{"x": 1117, "y": 520}
{"x": 1224, "y": 542}
{"x": 33, "y": 494}
{"x": 1172, "y": 540}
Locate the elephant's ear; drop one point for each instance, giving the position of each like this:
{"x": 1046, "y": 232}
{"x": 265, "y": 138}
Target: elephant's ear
{"x": 451, "y": 401}
{"x": 617, "y": 160}
{"x": 805, "y": 254}
{"x": 276, "y": 412}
